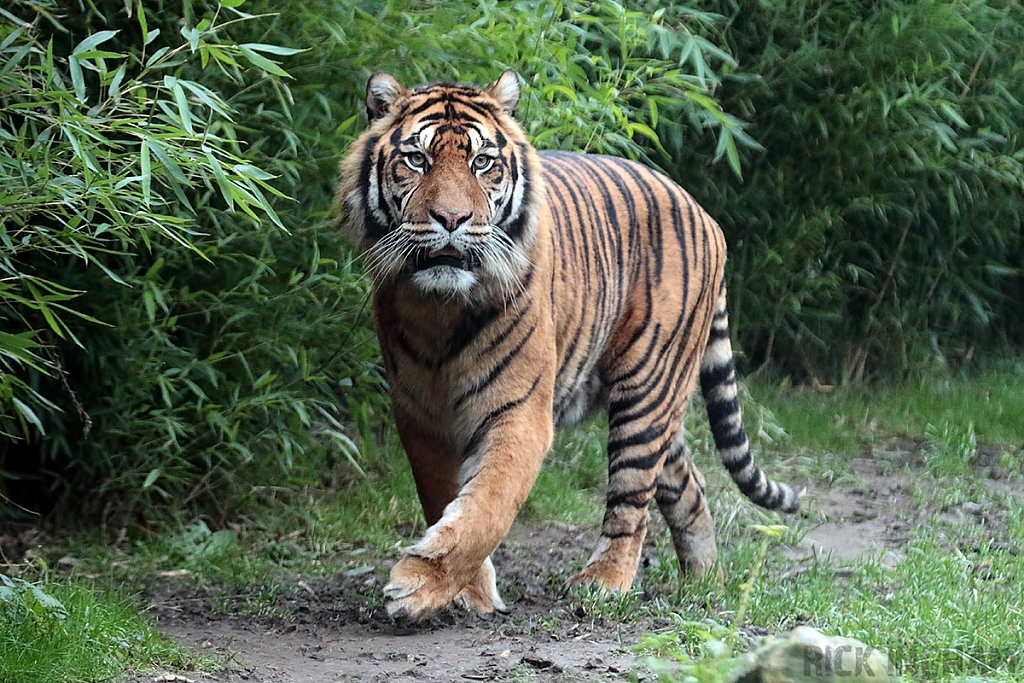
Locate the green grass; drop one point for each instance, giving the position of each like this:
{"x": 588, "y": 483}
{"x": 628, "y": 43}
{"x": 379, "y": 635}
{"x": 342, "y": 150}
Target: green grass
{"x": 844, "y": 419}
{"x": 574, "y": 475}
{"x": 953, "y": 608}
{"x": 65, "y": 632}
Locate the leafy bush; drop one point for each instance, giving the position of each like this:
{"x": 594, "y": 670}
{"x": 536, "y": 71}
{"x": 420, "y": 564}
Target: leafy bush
{"x": 597, "y": 73}
{"x": 172, "y": 343}
{"x": 880, "y": 229}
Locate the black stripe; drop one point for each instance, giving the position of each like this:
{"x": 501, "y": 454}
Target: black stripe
{"x": 518, "y": 224}
{"x": 711, "y": 378}
{"x": 468, "y": 329}
{"x": 672, "y": 192}
{"x": 638, "y": 333}
{"x": 499, "y": 367}
{"x": 573, "y": 229}
{"x": 629, "y": 498}
{"x": 382, "y": 202}
{"x": 607, "y": 234}
{"x": 505, "y": 332}
{"x": 619, "y": 462}
{"x": 405, "y": 346}
{"x": 641, "y": 527}
{"x": 722, "y": 409}
{"x": 506, "y": 208}
{"x": 735, "y": 466}
{"x": 372, "y": 227}
{"x": 675, "y": 452}
{"x": 425, "y": 105}
{"x": 677, "y": 490}
{"x": 485, "y": 424}
{"x": 717, "y": 334}
{"x": 730, "y": 439}
{"x": 485, "y": 109}
{"x": 695, "y": 508}
{"x": 666, "y": 375}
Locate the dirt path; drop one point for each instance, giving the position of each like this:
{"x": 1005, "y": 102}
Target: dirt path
{"x": 315, "y": 654}
{"x": 336, "y": 629}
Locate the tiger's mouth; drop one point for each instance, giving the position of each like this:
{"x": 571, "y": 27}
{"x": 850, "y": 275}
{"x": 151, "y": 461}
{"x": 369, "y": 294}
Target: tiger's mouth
{"x": 449, "y": 256}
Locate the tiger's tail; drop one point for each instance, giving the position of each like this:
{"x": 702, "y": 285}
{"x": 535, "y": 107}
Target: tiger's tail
{"x": 718, "y": 385}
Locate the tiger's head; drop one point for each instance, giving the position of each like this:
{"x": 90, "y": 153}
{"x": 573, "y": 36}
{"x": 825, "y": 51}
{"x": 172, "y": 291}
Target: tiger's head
{"x": 442, "y": 189}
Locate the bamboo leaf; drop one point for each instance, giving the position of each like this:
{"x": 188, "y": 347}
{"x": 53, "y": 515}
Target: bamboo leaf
{"x": 92, "y": 42}
{"x": 147, "y": 175}
{"x": 273, "y": 49}
{"x": 261, "y": 62}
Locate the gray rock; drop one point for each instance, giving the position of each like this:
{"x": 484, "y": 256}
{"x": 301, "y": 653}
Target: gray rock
{"x": 807, "y": 656}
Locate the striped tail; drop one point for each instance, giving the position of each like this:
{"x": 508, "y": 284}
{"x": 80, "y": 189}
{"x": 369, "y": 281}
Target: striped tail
{"x": 718, "y": 385}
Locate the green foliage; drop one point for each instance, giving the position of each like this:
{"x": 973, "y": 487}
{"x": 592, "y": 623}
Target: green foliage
{"x": 52, "y": 633}
{"x": 880, "y": 228}
{"x": 78, "y": 151}
{"x": 166, "y": 343}
{"x": 172, "y": 341}
{"x": 597, "y": 73}
{"x": 907, "y": 610}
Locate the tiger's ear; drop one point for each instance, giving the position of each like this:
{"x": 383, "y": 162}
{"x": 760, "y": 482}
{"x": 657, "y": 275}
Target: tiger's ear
{"x": 505, "y": 91}
{"x": 381, "y": 90}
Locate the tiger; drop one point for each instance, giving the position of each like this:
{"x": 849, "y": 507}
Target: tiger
{"x": 516, "y": 292}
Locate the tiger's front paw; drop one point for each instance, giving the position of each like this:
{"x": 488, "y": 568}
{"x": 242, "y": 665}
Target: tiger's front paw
{"x": 419, "y": 588}
{"x": 481, "y": 594}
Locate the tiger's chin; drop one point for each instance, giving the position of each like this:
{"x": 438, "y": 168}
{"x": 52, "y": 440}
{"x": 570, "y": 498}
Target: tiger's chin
{"x": 445, "y": 280}
{"x": 451, "y": 275}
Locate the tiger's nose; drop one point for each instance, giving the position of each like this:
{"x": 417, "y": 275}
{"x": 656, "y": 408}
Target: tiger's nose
{"x": 451, "y": 220}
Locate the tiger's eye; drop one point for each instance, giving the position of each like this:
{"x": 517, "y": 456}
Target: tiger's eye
{"x": 482, "y": 163}
{"x": 417, "y": 159}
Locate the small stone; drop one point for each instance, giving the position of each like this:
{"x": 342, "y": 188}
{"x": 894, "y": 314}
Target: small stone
{"x": 808, "y": 656}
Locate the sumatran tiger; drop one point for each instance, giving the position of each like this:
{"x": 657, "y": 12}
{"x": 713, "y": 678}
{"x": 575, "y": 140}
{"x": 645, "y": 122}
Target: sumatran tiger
{"x": 515, "y": 292}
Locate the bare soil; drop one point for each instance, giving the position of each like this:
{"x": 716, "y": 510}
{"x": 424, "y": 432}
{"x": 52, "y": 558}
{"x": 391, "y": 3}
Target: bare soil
{"x": 336, "y": 629}
{"x": 867, "y": 520}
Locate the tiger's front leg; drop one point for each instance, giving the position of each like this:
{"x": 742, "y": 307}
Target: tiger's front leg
{"x": 470, "y": 505}
{"x": 436, "y": 471}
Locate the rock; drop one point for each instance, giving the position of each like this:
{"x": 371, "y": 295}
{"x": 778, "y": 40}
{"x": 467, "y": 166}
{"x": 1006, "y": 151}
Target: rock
{"x": 807, "y": 656}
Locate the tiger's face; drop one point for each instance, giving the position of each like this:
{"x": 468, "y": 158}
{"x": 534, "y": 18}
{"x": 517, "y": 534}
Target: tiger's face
{"x": 444, "y": 192}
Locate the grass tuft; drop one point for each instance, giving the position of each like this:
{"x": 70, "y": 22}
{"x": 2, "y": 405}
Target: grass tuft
{"x": 57, "y": 633}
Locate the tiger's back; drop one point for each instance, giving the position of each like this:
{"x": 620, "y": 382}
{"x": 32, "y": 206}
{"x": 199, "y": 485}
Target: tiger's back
{"x": 632, "y": 251}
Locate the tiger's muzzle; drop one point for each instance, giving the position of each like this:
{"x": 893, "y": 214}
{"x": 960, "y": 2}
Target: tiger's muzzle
{"x": 424, "y": 259}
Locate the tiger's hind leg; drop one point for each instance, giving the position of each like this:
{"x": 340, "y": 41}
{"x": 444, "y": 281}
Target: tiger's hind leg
{"x": 684, "y": 506}
{"x": 639, "y": 438}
